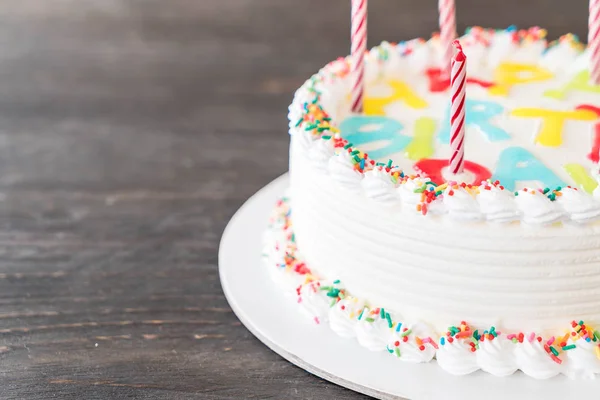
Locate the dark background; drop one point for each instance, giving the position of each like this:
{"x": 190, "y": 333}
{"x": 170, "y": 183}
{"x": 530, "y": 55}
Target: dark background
{"x": 130, "y": 132}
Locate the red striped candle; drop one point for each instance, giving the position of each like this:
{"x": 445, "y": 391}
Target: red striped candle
{"x": 358, "y": 51}
{"x": 458, "y": 83}
{"x": 594, "y": 41}
{"x": 447, "y": 13}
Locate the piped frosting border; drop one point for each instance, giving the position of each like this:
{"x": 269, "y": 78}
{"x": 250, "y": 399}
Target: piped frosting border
{"x": 460, "y": 350}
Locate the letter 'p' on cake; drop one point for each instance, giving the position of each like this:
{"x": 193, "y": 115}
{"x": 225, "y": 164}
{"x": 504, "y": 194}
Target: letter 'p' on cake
{"x": 448, "y": 209}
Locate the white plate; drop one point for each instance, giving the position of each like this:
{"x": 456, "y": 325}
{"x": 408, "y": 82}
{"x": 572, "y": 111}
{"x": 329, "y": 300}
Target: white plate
{"x": 275, "y": 319}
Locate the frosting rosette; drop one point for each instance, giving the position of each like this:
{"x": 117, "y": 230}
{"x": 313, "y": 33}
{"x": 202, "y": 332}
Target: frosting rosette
{"x": 413, "y": 342}
{"x": 373, "y": 328}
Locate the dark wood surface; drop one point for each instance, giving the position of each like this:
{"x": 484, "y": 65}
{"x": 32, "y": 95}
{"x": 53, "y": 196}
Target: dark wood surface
{"x": 130, "y": 132}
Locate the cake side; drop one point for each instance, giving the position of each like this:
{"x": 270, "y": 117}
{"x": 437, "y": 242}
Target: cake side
{"x": 459, "y": 349}
{"x": 359, "y": 221}
{"x": 520, "y": 253}
{"x": 440, "y": 270}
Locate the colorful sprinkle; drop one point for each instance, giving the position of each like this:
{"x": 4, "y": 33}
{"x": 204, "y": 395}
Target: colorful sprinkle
{"x": 389, "y": 320}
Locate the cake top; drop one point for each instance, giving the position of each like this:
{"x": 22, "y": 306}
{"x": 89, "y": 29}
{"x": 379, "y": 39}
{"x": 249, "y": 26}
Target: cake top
{"x": 532, "y": 137}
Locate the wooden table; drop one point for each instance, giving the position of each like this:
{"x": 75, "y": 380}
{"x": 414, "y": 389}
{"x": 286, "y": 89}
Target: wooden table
{"x": 130, "y": 132}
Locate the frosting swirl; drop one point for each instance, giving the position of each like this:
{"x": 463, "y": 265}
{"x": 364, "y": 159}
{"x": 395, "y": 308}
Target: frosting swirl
{"x": 303, "y": 138}
{"x": 559, "y": 57}
{"x": 578, "y": 205}
{"x": 496, "y": 356}
{"x": 373, "y": 329}
{"x": 320, "y": 153}
{"x": 296, "y": 109}
{"x": 456, "y": 357}
{"x": 378, "y": 186}
{"x": 535, "y": 361}
{"x": 537, "y": 209}
{"x": 461, "y": 204}
{"x": 314, "y": 301}
{"x": 583, "y": 361}
{"x": 414, "y": 343}
{"x": 342, "y": 316}
{"x": 409, "y": 197}
{"x": 498, "y": 205}
{"x": 343, "y": 172}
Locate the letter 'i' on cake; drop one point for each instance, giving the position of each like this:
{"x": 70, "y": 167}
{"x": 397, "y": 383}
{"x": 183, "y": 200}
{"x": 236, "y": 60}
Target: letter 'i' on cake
{"x": 444, "y": 201}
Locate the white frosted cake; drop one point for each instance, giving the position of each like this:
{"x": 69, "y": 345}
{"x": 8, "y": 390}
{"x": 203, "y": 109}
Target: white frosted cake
{"x": 496, "y": 269}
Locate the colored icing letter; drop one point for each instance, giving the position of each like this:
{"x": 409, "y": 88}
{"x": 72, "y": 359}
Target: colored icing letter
{"x": 439, "y": 82}
{"x": 517, "y": 164}
{"x": 433, "y": 169}
{"x": 580, "y": 175}
{"x": 509, "y": 74}
{"x": 553, "y": 121}
{"x": 362, "y": 130}
{"x": 478, "y": 114}
{"x": 594, "y": 153}
{"x": 581, "y": 82}
{"x": 401, "y": 92}
{"x": 422, "y": 142}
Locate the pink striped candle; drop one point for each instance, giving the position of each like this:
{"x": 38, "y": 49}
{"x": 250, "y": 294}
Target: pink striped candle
{"x": 594, "y": 41}
{"x": 447, "y": 13}
{"x": 358, "y": 51}
{"x": 458, "y": 83}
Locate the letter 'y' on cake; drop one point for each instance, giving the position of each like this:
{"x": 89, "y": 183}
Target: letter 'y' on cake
{"x": 444, "y": 201}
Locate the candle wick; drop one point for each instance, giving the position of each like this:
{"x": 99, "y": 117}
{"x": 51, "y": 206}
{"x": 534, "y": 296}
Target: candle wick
{"x": 460, "y": 55}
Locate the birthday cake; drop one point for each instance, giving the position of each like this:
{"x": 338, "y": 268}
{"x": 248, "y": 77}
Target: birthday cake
{"x": 497, "y": 268}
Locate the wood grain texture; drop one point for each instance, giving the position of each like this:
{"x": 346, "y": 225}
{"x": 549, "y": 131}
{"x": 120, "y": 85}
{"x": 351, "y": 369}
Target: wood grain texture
{"x": 130, "y": 132}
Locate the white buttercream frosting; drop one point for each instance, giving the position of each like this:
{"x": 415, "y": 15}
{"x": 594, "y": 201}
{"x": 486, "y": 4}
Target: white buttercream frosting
{"x": 378, "y": 186}
{"x": 535, "y": 267}
{"x": 414, "y": 343}
{"x": 296, "y": 109}
{"x": 320, "y": 153}
{"x": 497, "y": 205}
{"x": 407, "y": 191}
{"x": 461, "y": 204}
{"x": 559, "y": 58}
{"x": 502, "y": 48}
{"x": 343, "y": 173}
{"x": 579, "y": 206}
{"x": 497, "y": 356}
{"x": 373, "y": 330}
{"x": 534, "y": 360}
{"x": 314, "y": 301}
{"x": 583, "y": 361}
{"x": 576, "y": 355}
{"x": 457, "y": 358}
{"x": 343, "y": 316}
{"x": 303, "y": 138}
{"x": 537, "y": 209}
